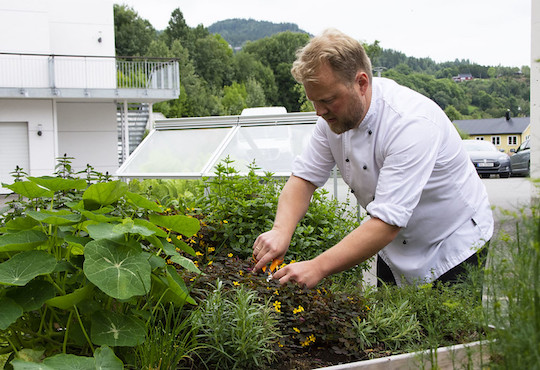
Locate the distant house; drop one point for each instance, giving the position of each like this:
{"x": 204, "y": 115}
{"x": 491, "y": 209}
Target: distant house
{"x": 506, "y": 133}
{"x": 462, "y": 77}
{"x": 62, "y": 87}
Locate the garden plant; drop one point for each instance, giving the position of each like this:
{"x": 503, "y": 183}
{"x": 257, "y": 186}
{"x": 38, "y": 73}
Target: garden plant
{"x": 157, "y": 274}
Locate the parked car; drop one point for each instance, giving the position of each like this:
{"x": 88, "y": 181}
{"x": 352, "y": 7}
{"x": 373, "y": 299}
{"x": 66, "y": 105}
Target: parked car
{"x": 487, "y": 159}
{"x": 520, "y": 162}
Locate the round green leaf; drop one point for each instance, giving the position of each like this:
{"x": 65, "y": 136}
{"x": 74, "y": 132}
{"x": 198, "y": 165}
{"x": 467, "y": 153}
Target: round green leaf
{"x": 184, "y": 225}
{"x": 70, "y": 362}
{"x": 69, "y": 300}
{"x": 59, "y": 183}
{"x": 113, "y": 329}
{"x": 55, "y": 217}
{"x": 24, "y": 240}
{"x": 29, "y": 189}
{"x": 107, "y": 360}
{"x": 33, "y": 295}
{"x": 25, "y": 266}
{"x": 118, "y": 270}
{"x": 104, "y": 231}
{"x": 142, "y": 202}
{"x": 103, "y": 194}
{"x": 185, "y": 263}
{"x": 177, "y": 285}
{"x": 21, "y": 223}
{"x": 10, "y": 311}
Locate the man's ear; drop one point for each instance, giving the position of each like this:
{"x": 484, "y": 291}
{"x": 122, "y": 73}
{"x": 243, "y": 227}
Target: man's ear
{"x": 362, "y": 81}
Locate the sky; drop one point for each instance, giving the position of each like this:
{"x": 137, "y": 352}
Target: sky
{"x": 486, "y": 32}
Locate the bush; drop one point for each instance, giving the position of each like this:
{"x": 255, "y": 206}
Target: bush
{"x": 236, "y": 329}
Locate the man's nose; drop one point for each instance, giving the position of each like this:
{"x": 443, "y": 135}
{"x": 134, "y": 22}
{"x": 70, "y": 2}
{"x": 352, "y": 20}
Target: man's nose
{"x": 320, "y": 109}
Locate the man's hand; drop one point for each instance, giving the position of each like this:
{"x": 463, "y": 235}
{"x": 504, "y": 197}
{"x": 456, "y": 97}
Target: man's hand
{"x": 305, "y": 274}
{"x": 268, "y": 246}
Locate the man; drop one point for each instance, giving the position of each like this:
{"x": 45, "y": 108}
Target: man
{"x": 403, "y": 160}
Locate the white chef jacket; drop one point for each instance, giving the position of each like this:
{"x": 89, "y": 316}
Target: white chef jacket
{"x": 406, "y": 165}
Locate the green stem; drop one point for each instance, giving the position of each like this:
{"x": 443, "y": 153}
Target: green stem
{"x": 64, "y": 346}
{"x": 50, "y": 279}
{"x": 83, "y": 329}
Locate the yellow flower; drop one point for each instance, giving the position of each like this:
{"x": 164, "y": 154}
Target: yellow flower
{"x": 236, "y": 283}
{"x": 169, "y": 240}
{"x": 230, "y": 255}
{"x": 199, "y": 254}
{"x": 209, "y": 263}
{"x": 299, "y": 309}
{"x": 225, "y": 221}
{"x": 296, "y": 330}
{"x": 241, "y": 273}
{"x": 277, "y": 306}
{"x": 308, "y": 341}
{"x": 276, "y": 292}
{"x": 169, "y": 262}
{"x": 178, "y": 237}
{"x": 211, "y": 249}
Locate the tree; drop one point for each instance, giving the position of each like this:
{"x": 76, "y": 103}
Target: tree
{"x": 212, "y": 58}
{"x": 132, "y": 34}
{"x": 234, "y": 98}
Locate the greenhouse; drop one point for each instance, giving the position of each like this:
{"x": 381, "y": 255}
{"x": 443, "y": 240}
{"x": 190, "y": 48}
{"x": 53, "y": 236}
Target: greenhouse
{"x": 190, "y": 148}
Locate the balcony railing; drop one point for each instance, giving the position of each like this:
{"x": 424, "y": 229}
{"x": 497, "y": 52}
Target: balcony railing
{"x": 37, "y": 71}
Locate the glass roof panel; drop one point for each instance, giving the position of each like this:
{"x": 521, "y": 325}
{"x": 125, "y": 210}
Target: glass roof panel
{"x": 272, "y": 147}
{"x": 175, "y": 151}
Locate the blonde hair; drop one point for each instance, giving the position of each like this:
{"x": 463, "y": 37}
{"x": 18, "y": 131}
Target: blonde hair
{"x": 345, "y": 55}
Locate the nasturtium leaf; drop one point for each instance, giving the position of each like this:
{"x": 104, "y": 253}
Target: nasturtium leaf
{"x": 114, "y": 329}
{"x": 183, "y": 246}
{"x": 185, "y": 263}
{"x": 10, "y": 311}
{"x": 59, "y": 183}
{"x": 77, "y": 243}
{"x": 24, "y": 266}
{"x": 24, "y": 240}
{"x": 154, "y": 261}
{"x": 64, "y": 361}
{"x": 107, "y": 360}
{"x": 55, "y": 217}
{"x": 25, "y": 365}
{"x": 118, "y": 270}
{"x": 184, "y": 225}
{"x": 177, "y": 285}
{"x": 103, "y": 194}
{"x": 128, "y": 226}
{"x": 143, "y": 202}
{"x": 104, "y": 231}
{"x": 21, "y": 223}
{"x": 155, "y": 241}
{"x": 33, "y": 295}
{"x": 169, "y": 249}
{"x": 69, "y": 300}
{"x": 147, "y": 224}
{"x": 29, "y": 189}
{"x": 99, "y": 217}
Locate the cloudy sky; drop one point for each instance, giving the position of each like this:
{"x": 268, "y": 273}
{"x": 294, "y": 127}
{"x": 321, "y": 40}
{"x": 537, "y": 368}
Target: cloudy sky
{"x": 487, "y": 32}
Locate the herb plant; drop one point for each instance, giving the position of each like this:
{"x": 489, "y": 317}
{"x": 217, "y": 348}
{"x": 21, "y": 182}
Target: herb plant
{"x": 82, "y": 266}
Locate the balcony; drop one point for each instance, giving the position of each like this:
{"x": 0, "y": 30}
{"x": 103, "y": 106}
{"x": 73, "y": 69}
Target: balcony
{"x": 68, "y": 77}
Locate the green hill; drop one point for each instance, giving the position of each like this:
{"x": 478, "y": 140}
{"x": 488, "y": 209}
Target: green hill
{"x": 237, "y": 31}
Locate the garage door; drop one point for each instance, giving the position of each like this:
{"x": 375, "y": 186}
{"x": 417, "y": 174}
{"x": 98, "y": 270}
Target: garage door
{"x": 13, "y": 150}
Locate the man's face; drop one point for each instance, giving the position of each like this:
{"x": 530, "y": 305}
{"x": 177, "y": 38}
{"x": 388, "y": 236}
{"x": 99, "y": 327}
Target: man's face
{"x": 343, "y": 106}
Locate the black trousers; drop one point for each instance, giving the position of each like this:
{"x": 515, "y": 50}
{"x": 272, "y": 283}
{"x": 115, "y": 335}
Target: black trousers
{"x": 384, "y": 274}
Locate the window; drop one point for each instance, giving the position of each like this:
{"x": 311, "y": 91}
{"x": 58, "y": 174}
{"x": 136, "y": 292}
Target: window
{"x": 512, "y": 140}
{"x": 496, "y": 140}
{"x": 479, "y": 138}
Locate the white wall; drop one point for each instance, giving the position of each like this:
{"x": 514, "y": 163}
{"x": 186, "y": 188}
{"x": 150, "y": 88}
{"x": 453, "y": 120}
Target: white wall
{"x": 69, "y": 27}
{"x": 535, "y": 89}
{"x": 41, "y": 148}
{"x": 88, "y": 132}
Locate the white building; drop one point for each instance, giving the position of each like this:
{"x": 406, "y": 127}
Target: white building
{"x": 61, "y": 86}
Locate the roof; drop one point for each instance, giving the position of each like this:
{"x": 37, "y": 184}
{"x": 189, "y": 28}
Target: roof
{"x": 493, "y": 126}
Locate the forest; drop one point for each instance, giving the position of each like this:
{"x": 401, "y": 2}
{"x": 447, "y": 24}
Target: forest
{"x": 236, "y": 64}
